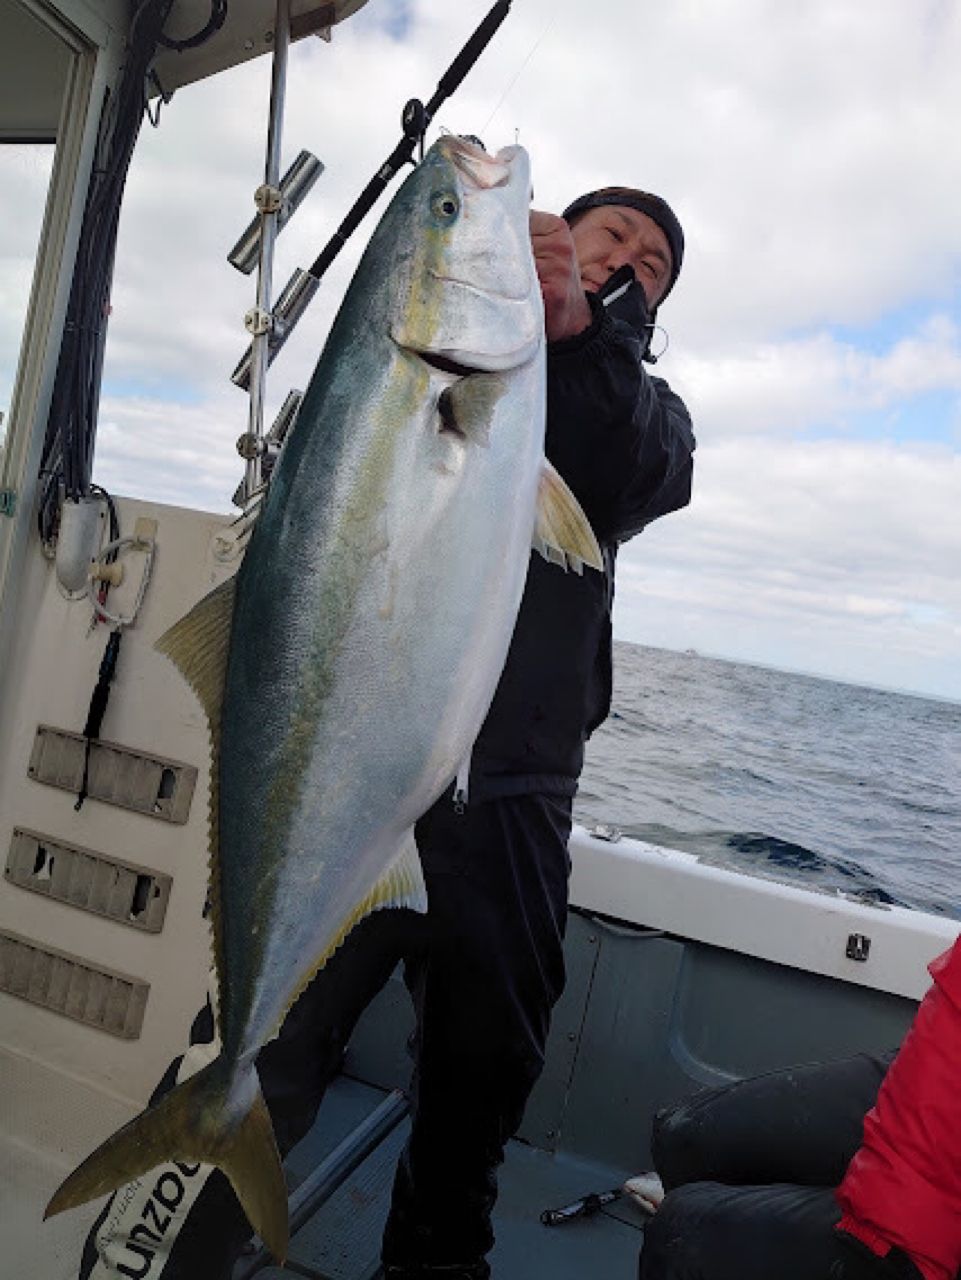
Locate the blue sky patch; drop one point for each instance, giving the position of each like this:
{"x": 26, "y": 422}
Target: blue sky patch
{"x": 167, "y": 390}
{"x": 396, "y": 18}
{"x": 933, "y": 417}
{"x": 891, "y": 327}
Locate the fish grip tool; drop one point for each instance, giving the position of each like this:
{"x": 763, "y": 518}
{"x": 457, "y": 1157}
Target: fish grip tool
{"x": 585, "y": 1207}
{"x": 416, "y": 117}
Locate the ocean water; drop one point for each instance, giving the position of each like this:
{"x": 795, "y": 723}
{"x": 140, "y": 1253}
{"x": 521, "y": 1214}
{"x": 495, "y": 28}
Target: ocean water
{"x": 822, "y": 784}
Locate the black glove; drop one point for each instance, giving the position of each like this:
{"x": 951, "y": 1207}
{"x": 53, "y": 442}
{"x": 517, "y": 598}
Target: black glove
{"x": 625, "y": 300}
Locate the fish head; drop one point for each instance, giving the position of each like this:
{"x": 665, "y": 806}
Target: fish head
{"x": 468, "y": 298}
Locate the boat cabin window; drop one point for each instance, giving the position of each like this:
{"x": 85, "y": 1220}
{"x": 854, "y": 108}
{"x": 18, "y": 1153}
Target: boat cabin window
{"x": 25, "y": 169}
{"x": 35, "y": 63}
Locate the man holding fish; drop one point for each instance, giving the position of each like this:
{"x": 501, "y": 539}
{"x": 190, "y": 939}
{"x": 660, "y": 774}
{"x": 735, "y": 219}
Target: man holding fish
{"x": 431, "y": 689}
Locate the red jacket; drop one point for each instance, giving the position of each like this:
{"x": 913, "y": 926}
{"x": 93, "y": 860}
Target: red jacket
{"x": 903, "y": 1187}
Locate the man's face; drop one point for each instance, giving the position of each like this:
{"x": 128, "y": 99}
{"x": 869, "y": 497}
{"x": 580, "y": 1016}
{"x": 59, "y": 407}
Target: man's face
{"x": 610, "y": 236}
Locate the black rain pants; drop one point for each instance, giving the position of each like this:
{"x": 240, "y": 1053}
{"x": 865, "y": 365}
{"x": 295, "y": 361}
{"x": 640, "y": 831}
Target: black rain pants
{"x": 750, "y": 1171}
{"x": 484, "y": 969}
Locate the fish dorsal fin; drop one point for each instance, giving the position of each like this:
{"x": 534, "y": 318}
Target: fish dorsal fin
{"x": 467, "y": 406}
{"x": 197, "y": 645}
{"x": 562, "y": 532}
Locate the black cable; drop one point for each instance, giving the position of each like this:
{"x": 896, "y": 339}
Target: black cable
{"x": 111, "y": 511}
{"x": 98, "y": 706}
{"x": 218, "y": 15}
{"x": 67, "y": 457}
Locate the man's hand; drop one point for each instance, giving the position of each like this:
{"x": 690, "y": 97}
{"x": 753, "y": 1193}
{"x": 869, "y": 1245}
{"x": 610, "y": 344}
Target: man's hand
{"x": 566, "y": 311}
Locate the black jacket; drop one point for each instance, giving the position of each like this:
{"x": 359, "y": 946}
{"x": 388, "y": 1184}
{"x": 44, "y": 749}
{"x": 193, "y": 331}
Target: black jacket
{"x": 623, "y": 442}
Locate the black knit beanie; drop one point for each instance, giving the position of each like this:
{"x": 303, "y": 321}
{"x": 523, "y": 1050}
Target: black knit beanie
{"x": 657, "y": 210}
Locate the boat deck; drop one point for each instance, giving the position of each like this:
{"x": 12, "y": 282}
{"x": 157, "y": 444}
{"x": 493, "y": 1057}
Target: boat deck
{"x": 341, "y": 1185}
{"x": 648, "y": 1017}
{"x": 645, "y": 1019}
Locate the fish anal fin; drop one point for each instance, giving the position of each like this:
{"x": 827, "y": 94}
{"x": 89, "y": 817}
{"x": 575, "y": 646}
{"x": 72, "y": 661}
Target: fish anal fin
{"x": 562, "y": 532}
{"x": 211, "y": 1118}
{"x": 401, "y": 885}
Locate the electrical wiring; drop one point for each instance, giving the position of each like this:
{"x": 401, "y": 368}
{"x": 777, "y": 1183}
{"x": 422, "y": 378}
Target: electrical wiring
{"x": 67, "y": 456}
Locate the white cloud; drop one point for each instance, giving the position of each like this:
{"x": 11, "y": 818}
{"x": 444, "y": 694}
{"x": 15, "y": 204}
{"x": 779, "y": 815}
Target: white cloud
{"x": 816, "y": 381}
{"x": 826, "y": 556}
{"x": 180, "y": 454}
{"x": 811, "y": 153}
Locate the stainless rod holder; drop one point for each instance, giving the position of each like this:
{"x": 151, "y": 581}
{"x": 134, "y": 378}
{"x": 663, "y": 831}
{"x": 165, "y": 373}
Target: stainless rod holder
{"x": 268, "y": 201}
{"x": 269, "y": 448}
{"x": 285, "y": 418}
{"x": 294, "y": 187}
{"x": 291, "y": 305}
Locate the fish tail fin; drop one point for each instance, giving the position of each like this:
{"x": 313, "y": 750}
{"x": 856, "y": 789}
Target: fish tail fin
{"x": 212, "y": 1118}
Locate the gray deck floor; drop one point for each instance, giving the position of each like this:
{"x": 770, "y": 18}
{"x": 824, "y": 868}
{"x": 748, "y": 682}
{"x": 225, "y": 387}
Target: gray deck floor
{"x": 340, "y": 1238}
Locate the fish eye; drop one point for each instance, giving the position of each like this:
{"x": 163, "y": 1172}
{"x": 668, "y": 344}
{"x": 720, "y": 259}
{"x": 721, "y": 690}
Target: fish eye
{"x": 444, "y": 205}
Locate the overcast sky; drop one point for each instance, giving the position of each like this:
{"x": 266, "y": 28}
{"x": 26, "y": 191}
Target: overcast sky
{"x": 811, "y": 153}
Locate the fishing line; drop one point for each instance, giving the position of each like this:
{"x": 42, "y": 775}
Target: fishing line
{"x": 520, "y": 71}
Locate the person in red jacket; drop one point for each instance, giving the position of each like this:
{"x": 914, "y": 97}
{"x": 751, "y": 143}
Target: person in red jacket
{"x": 847, "y": 1170}
{"x": 902, "y": 1189}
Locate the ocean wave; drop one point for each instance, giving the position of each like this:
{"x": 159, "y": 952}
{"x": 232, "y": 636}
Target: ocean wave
{"x": 810, "y": 782}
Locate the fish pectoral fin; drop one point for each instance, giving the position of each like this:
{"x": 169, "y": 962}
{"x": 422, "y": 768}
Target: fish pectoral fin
{"x": 466, "y": 407}
{"x": 562, "y": 532}
{"x": 197, "y": 645}
{"x": 209, "y": 1119}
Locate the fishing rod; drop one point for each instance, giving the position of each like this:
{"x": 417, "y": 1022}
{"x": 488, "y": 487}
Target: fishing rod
{"x": 415, "y": 121}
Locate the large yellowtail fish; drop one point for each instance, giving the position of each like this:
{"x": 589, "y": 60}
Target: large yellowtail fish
{"x": 348, "y": 666}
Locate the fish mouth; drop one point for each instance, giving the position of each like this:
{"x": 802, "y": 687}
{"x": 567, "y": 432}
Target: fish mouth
{"x": 484, "y": 170}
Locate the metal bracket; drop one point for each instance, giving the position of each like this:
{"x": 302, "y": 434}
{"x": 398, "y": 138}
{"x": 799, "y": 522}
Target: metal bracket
{"x": 258, "y": 321}
{"x": 268, "y": 198}
{"x": 251, "y": 446}
{"x": 858, "y": 946}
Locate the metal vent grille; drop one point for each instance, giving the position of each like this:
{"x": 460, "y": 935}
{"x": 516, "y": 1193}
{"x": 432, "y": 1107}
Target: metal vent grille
{"x": 92, "y": 881}
{"x": 73, "y": 987}
{"x": 117, "y": 775}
